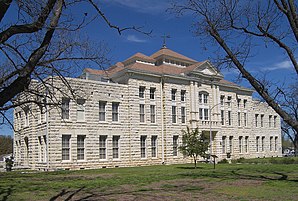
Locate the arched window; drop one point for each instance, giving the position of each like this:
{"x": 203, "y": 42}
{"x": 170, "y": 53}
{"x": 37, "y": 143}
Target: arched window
{"x": 203, "y": 97}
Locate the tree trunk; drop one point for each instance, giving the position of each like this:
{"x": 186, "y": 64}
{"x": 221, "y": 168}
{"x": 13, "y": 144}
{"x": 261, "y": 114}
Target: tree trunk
{"x": 195, "y": 160}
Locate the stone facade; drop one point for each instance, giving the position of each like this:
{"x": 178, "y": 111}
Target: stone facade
{"x": 132, "y": 114}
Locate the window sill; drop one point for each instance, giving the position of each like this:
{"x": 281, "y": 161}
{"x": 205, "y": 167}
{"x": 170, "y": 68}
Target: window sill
{"x": 82, "y": 161}
{"x": 66, "y": 161}
{"x": 116, "y": 159}
{"x": 81, "y": 121}
{"x": 66, "y": 120}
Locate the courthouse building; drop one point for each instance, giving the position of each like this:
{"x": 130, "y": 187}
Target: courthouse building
{"x": 133, "y": 113}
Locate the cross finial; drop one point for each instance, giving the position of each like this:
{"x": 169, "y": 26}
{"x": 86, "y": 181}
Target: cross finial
{"x": 164, "y": 40}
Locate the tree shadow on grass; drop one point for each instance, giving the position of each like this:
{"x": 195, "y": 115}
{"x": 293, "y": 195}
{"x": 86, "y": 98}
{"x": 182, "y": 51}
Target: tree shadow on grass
{"x": 189, "y": 168}
{"x": 236, "y": 174}
{"x": 6, "y": 193}
{"x": 279, "y": 176}
{"x": 65, "y": 192}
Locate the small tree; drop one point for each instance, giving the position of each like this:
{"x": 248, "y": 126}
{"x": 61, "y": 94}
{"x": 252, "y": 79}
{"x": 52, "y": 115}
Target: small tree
{"x": 194, "y": 144}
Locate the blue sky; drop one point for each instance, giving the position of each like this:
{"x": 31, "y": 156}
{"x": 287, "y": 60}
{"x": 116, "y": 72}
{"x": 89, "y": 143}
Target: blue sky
{"x": 151, "y": 15}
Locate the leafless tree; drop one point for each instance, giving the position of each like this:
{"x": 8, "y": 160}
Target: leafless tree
{"x": 239, "y": 27}
{"x": 290, "y": 103}
{"x": 41, "y": 38}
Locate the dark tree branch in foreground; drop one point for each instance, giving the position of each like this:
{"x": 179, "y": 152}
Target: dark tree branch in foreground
{"x": 44, "y": 39}
{"x": 222, "y": 21}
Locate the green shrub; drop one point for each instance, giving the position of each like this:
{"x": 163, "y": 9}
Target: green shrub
{"x": 223, "y": 161}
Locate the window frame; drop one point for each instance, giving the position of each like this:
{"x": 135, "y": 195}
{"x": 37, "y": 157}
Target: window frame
{"x": 152, "y": 93}
{"x": 142, "y": 92}
{"x": 115, "y": 111}
{"x": 143, "y": 143}
{"x": 174, "y": 114}
{"x": 175, "y": 145}
{"x": 142, "y": 113}
{"x": 81, "y": 146}
{"x": 66, "y": 150}
{"x": 81, "y": 109}
{"x": 102, "y": 110}
{"x": 65, "y": 108}
{"x": 154, "y": 146}
{"x": 116, "y": 147}
{"x": 152, "y": 114}
{"x": 103, "y": 149}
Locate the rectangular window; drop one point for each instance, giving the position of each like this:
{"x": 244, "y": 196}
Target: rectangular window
{"x": 229, "y": 118}
{"x": 270, "y": 119}
{"x": 154, "y": 146}
{"x": 115, "y": 114}
{"x": 205, "y": 98}
{"x": 275, "y": 143}
{"x": 246, "y": 144}
{"x": 65, "y": 147}
{"x": 142, "y": 92}
{"x": 223, "y": 143}
{"x": 238, "y": 103}
{"x": 200, "y": 98}
{"x": 183, "y": 93}
{"x": 256, "y": 119}
{"x": 239, "y": 119}
{"x": 222, "y": 100}
{"x": 175, "y": 145}
{"x": 26, "y": 116}
{"x": 231, "y": 144}
{"x": 152, "y": 113}
{"x": 102, "y": 110}
{"x": 102, "y": 147}
{"x": 65, "y": 108}
{"x": 81, "y": 147}
{"x": 80, "y": 109}
{"x": 173, "y": 93}
{"x": 262, "y": 120}
{"x": 42, "y": 116}
{"x": 274, "y": 121}
{"x": 143, "y": 146}
{"x": 257, "y": 143}
{"x": 271, "y": 143}
{"x": 116, "y": 146}
{"x": 40, "y": 150}
{"x": 263, "y": 143}
{"x": 183, "y": 115}
{"x": 240, "y": 144}
{"x": 245, "y": 119}
{"x": 201, "y": 113}
{"x": 174, "y": 114}
{"x": 206, "y": 114}
{"x": 142, "y": 113}
{"x": 244, "y": 103}
{"x": 152, "y": 93}
{"x": 229, "y": 101}
{"x": 222, "y": 117}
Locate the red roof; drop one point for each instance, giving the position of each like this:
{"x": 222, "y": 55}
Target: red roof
{"x": 171, "y": 53}
{"x": 141, "y": 57}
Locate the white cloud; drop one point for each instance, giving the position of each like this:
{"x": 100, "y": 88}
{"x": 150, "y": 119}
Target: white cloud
{"x": 280, "y": 66}
{"x": 143, "y": 6}
{"x": 133, "y": 38}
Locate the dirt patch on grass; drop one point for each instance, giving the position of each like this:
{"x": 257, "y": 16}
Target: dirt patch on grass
{"x": 180, "y": 189}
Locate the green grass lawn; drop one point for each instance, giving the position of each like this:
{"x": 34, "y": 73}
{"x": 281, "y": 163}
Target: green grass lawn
{"x": 167, "y": 182}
